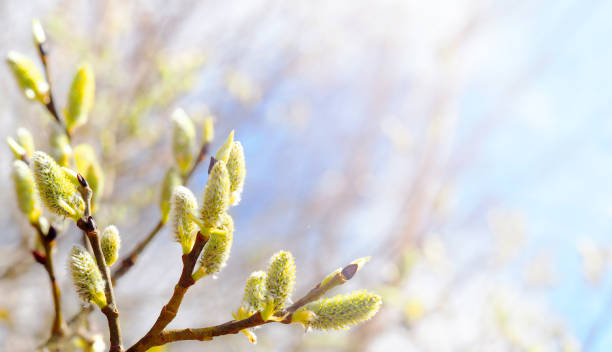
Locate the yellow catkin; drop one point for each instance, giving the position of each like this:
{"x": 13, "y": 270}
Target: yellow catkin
{"x": 88, "y": 166}
{"x": 86, "y": 277}
{"x": 341, "y": 311}
{"x": 280, "y": 279}
{"x": 255, "y": 291}
{"x": 57, "y": 192}
{"x": 216, "y": 196}
{"x": 29, "y": 78}
{"x": 25, "y": 139}
{"x": 171, "y": 181}
{"x": 183, "y": 140}
{"x": 27, "y": 199}
{"x": 217, "y": 250}
{"x": 110, "y": 242}
{"x": 184, "y": 205}
{"x": 208, "y": 130}
{"x": 60, "y": 150}
{"x": 81, "y": 97}
{"x": 237, "y": 172}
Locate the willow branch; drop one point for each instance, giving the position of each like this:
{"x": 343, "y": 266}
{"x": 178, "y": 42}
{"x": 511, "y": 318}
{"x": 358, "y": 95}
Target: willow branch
{"x": 169, "y": 311}
{"x": 162, "y": 337}
{"x": 87, "y": 224}
{"x": 128, "y": 262}
{"x": 50, "y": 105}
{"x": 58, "y": 328}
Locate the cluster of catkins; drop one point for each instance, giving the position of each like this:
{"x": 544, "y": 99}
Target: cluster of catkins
{"x": 47, "y": 180}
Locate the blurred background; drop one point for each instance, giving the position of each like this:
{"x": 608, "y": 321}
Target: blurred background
{"x": 464, "y": 145}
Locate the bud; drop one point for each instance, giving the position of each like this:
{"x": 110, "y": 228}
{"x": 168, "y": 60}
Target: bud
{"x": 237, "y": 172}
{"x": 81, "y": 98}
{"x": 216, "y": 195}
{"x": 110, "y": 242}
{"x": 217, "y": 249}
{"x": 87, "y": 165}
{"x": 255, "y": 291}
{"x": 16, "y": 148}
{"x": 171, "y": 180}
{"x": 29, "y": 77}
{"x": 281, "y": 278}
{"x": 341, "y": 275}
{"x": 208, "y": 130}
{"x": 38, "y": 32}
{"x": 27, "y": 198}
{"x": 57, "y": 192}
{"x": 24, "y": 137}
{"x": 86, "y": 277}
{"x": 224, "y": 151}
{"x": 339, "y": 312}
{"x": 183, "y": 227}
{"x": 60, "y": 147}
{"x": 183, "y": 140}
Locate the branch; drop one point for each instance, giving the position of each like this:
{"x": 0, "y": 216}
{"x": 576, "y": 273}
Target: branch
{"x": 87, "y": 224}
{"x": 58, "y": 328}
{"x": 129, "y": 261}
{"x": 162, "y": 337}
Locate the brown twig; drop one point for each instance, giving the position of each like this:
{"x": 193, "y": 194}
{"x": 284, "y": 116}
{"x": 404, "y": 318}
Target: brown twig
{"x": 58, "y": 328}
{"x": 87, "y": 224}
{"x": 129, "y": 261}
{"x": 157, "y": 336}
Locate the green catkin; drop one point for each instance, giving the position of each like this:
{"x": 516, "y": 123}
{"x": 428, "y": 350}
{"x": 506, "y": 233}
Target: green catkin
{"x": 208, "y": 130}
{"x": 60, "y": 148}
{"x": 88, "y": 166}
{"x": 27, "y": 199}
{"x": 224, "y": 151}
{"x": 280, "y": 279}
{"x": 217, "y": 249}
{"x": 183, "y": 205}
{"x": 171, "y": 181}
{"x": 255, "y": 291}
{"x": 110, "y": 242}
{"x": 86, "y": 277}
{"x": 183, "y": 140}
{"x": 216, "y": 196}
{"x": 25, "y": 139}
{"x": 57, "y": 192}
{"x": 341, "y": 311}
{"x": 29, "y": 78}
{"x": 81, "y": 97}
{"x": 237, "y": 172}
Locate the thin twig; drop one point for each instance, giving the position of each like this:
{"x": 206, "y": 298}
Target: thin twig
{"x": 88, "y": 225}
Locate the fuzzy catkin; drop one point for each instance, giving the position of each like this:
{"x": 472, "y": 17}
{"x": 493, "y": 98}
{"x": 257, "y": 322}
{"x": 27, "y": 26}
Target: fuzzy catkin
{"x": 183, "y": 140}
{"x": 29, "y": 78}
{"x": 255, "y": 291}
{"x": 342, "y": 311}
{"x": 217, "y": 249}
{"x": 183, "y": 227}
{"x": 237, "y": 172}
{"x": 81, "y": 97}
{"x": 57, "y": 192}
{"x": 110, "y": 243}
{"x": 280, "y": 279}
{"x": 86, "y": 277}
{"x": 216, "y": 195}
{"x": 27, "y": 199}
{"x": 171, "y": 181}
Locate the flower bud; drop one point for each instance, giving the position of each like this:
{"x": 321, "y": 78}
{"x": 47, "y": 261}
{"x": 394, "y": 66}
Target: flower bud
{"x": 237, "y": 172}
{"x": 18, "y": 151}
{"x": 38, "y": 32}
{"x": 280, "y": 279}
{"x": 81, "y": 98}
{"x": 60, "y": 147}
{"x": 171, "y": 180}
{"x": 216, "y": 195}
{"x": 29, "y": 77}
{"x": 86, "y": 277}
{"x": 224, "y": 151}
{"x": 255, "y": 291}
{"x": 208, "y": 130}
{"x": 57, "y": 192}
{"x": 217, "y": 250}
{"x": 110, "y": 242}
{"x": 87, "y": 165}
{"x": 27, "y": 198}
{"x": 24, "y": 137}
{"x": 339, "y": 312}
{"x": 183, "y": 140}
{"x": 183, "y": 227}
